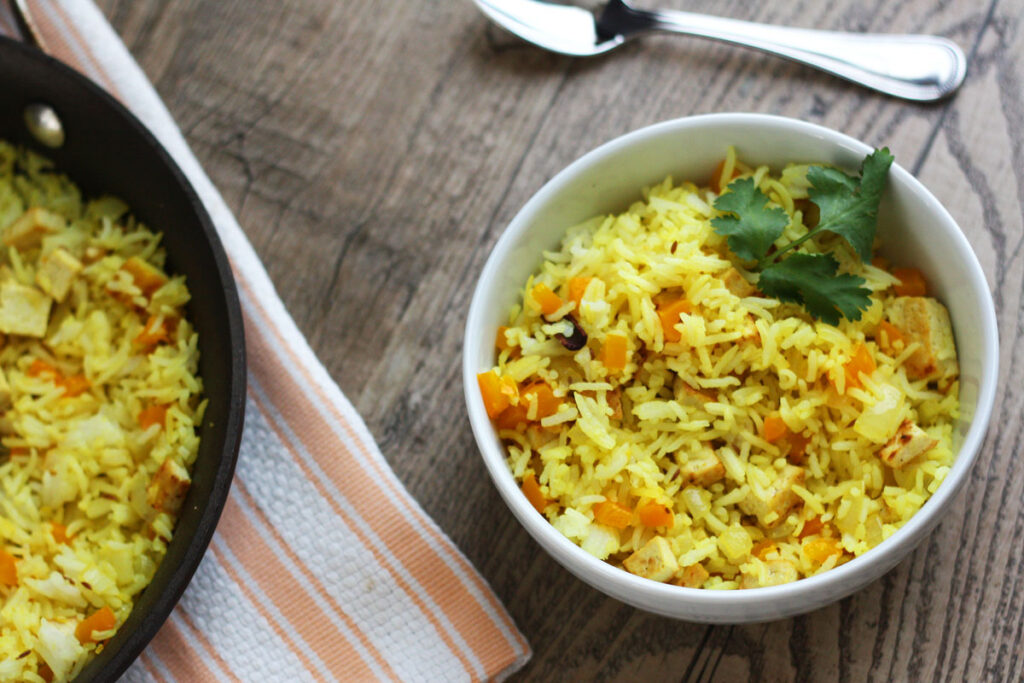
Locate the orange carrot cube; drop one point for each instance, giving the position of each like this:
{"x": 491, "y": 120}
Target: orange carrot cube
{"x": 654, "y": 514}
{"x": 548, "y": 301}
{"x": 612, "y": 514}
{"x": 531, "y": 489}
{"x": 577, "y": 286}
{"x": 100, "y": 620}
{"x": 669, "y": 316}
{"x": 774, "y": 428}
{"x": 861, "y": 361}
{"x": 613, "y": 355}
{"x": 8, "y": 569}
{"x": 495, "y": 400}
{"x": 912, "y": 282}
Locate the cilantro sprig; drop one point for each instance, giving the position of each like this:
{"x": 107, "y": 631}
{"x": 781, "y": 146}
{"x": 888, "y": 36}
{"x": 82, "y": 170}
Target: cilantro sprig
{"x": 848, "y": 207}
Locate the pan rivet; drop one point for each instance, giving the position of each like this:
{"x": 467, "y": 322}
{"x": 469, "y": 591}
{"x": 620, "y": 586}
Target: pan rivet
{"x": 44, "y": 125}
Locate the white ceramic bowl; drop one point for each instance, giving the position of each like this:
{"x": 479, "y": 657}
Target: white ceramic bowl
{"x": 915, "y": 230}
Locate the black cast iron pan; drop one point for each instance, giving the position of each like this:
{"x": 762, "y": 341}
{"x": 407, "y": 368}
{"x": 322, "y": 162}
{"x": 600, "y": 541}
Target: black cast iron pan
{"x": 107, "y": 150}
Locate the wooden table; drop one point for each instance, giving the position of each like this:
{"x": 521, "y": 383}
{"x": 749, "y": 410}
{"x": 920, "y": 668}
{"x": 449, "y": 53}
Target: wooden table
{"x": 373, "y": 152}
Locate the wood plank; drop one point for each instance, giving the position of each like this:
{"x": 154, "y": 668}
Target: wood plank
{"x": 373, "y": 157}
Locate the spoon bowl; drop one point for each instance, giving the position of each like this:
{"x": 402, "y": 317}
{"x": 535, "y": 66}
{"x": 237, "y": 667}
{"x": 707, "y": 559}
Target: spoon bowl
{"x": 913, "y": 67}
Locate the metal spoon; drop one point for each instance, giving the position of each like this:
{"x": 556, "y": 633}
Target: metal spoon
{"x": 914, "y": 67}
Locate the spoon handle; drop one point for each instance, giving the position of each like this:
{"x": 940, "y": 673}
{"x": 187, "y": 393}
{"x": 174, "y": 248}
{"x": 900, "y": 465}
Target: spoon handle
{"x": 913, "y": 67}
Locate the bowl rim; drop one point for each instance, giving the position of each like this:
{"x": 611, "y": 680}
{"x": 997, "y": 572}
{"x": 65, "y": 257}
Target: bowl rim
{"x": 838, "y": 581}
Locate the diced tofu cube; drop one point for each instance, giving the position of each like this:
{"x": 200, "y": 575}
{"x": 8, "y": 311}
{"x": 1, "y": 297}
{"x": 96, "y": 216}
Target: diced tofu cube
{"x": 926, "y": 321}
{"x": 702, "y": 472}
{"x": 655, "y": 561}
{"x": 166, "y": 492}
{"x": 778, "y": 498}
{"x": 57, "y": 270}
{"x": 28, "y": 230}
{"x": 693, "y": 576}
{"x": 910, "y": 441}
{"x": 23, "y": 310}
{"x": 736, "y": 283}
{"x": 773, "y": 573}
{"x": 147, "y": 277}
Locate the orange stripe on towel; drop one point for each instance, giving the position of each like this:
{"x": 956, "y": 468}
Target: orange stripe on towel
{"x": 241, "y": 490}
{"x": 305, "y": 617}
{"x": 177, "y": 652}
{"x": 396, "y": 574}
{"x": 245, "y": 586}
{"x": 64, "y": 43}
{"x": 446, "y": 588}
{"x": 512, "y": 635}
{"x": 145, "y": 659}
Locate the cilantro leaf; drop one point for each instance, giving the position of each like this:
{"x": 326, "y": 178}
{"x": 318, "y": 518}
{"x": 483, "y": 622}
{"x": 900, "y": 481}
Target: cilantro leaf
{"x": 754, "y": 227}
{"x": 811, "y": 280}
{"x": 849, "y": 206}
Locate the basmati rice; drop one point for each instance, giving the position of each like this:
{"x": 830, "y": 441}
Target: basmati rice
{"x": 99, "y": 428}
{"x": 735, "y": 432}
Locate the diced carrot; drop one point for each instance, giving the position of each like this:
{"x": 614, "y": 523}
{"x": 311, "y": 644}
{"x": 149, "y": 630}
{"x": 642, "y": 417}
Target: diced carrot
{"x": 40, "y": 368}
{"x": 718, "y": 183}
{"x": 577, "y": 286}
{"x": 548, "y": 301}
{"x": 797, "y": 447}
{"x": 613, "y": 355}
{"x": 146, "y": 276}
{"x": 59, "y": 532}
{"x": 774, "y": 428}
{"x": 74, "y": 385}
{"x": 155, "y": 414}
{"x": 513, "y": 417}
{"x": 508, "y": 386}
{"x": 495, "y": 400}
{"x": 612, "y": 514}
{"x": 820, "y": 549}
{"x": 669, "y": 315}
{"x": 541, "y": 394}
{"x": 912, "y": 282}
{"x": 101, "y": 620}
{"x": 763, "y": 548}
{"x": 811, "y": 527}
{"x": 500, "y": 341}
{"x": 892, "y": 335}
{"x": 655, "y": 514}
{"x": 158, "y": 328}
{"x": 531, "y": 489}
{"x": 8, "y": 569}
{"x": 861, "y": 361}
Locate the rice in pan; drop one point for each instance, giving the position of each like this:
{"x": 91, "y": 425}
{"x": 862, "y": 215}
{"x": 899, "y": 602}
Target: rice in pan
{"x": 100, "y": 404}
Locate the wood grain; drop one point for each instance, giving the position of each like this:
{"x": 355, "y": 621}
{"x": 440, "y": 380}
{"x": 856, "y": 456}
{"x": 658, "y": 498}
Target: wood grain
{"x": 374, "y": 152}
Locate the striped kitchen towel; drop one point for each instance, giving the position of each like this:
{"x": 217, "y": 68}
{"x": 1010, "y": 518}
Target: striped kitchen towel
{"x": 392, "y": 597}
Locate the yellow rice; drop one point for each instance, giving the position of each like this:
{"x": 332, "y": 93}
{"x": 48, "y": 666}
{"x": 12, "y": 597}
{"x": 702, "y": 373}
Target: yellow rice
{"x": 752, "y": 357}
{"x": 84, "y": 464}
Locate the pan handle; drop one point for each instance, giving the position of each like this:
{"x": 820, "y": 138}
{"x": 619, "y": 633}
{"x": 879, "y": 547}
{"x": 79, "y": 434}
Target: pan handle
{"x": 30, "y": 32}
